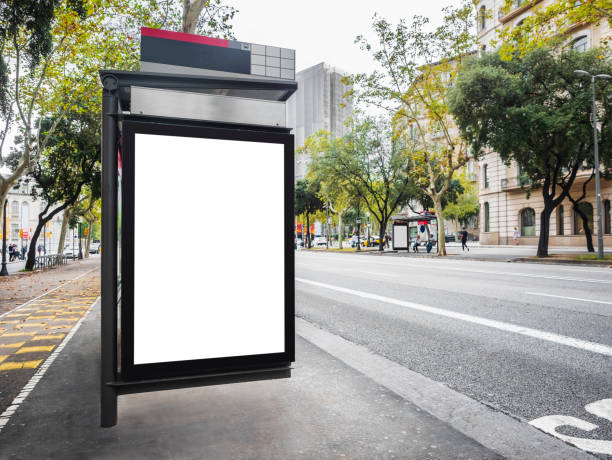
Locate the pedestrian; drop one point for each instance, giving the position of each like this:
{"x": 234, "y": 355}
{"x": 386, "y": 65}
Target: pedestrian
{"x": 516, "y": 236}
{"x": 415, "y": 246}
{"x": 24, "y": 249}
{"x": 464, "y": 235}
{"x": 387, "y": 238}
{"x": 10, "y": 248}
{"x": 39, "y": 249}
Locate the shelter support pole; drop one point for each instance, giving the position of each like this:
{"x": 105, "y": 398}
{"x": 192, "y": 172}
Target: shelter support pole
{"x": 108, "y": 336}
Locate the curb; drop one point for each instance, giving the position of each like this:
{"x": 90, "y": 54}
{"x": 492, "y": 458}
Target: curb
{"x": 587, "y": 263}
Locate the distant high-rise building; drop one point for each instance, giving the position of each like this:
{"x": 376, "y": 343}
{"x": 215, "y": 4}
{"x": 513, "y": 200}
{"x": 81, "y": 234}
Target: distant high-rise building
{"x": 317, "y": 104}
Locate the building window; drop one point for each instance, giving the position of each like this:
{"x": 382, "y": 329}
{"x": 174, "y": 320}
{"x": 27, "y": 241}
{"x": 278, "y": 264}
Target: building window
{"x": 14, "y": 231}
{"x": 580, "y": 44}
{"x": 528, "y": 222}
{"x": 486, "y": 217}
{"x": 587, "y": 209}
{"x": 485, "y": 175}
{"x": 607, "y": 220}
{"x": 560, "y": 218}
{"x": 15, "y": 209}
{"x": 482, "y": 18}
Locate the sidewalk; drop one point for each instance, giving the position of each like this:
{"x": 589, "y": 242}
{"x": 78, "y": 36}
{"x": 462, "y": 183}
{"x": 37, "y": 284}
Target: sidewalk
{"x": 325, "y": 410}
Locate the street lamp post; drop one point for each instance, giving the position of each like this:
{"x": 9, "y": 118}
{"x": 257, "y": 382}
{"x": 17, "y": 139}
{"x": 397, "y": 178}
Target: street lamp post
{"x": 4, "y": 271}
{"x": 583, "y": 73}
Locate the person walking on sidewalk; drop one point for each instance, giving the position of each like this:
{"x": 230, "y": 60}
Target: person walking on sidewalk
{"x": 464, "y": 235}
{"x": 516, "y": 236}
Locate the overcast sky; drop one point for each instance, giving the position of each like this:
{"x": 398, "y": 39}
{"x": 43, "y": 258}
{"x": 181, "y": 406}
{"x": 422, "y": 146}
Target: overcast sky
{"x": 324, "y": 30}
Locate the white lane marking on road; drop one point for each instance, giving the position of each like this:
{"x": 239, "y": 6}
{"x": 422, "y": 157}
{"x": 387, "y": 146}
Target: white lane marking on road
{"x": 501, "y": 325}
{"x": 48, "y": 292}
{"x": 491, "y": 272}
{"x": 568, "y": 298}
{"x": 550, "y": 423}
{"x": 28, "y": 387}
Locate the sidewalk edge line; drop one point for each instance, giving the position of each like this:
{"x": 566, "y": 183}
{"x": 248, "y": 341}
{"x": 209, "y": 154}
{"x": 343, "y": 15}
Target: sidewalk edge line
{"x": 38, "y": 375}
{"x": 493, "y": 429}
{"x": 48, "y": 292}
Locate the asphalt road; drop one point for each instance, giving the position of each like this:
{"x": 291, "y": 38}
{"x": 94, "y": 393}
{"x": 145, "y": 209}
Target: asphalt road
{"x": 529, "y": 340}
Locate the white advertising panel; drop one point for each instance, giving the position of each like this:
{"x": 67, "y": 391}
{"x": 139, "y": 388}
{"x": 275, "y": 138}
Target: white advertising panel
{"x": 400, "y": 236}
{"x": 208, "y": 248}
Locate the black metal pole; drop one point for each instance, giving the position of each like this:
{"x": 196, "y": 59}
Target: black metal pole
{"x": 108, "y": 336}
{"x": 358, "y": 225}
{"x": 80, "y": 243}
{"x": 4, "y": 271}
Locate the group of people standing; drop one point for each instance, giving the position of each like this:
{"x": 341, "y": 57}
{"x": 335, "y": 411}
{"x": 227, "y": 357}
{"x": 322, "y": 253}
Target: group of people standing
{"x": 15, "y": 253}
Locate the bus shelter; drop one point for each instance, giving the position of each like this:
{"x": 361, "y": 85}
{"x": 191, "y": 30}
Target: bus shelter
{"x": 184, "y": 301}
{"x": 406, "y": 229}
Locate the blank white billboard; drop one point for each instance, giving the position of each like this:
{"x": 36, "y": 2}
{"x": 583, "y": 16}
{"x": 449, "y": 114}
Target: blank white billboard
{"x": 400, "y": 236}
{"x": 209, "y": 275}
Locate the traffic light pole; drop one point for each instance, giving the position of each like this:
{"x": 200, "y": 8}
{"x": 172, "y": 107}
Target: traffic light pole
{"x": 80, "y": 243}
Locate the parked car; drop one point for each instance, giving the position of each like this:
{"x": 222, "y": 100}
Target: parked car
{"x": 94, "y": 247}
{"x": 374, "y": 240}
{"x": 68, "y": 251}
{"x": 319, "y": 240}
{"x": 449, "y": 237}
{"x": 354, "y": 240}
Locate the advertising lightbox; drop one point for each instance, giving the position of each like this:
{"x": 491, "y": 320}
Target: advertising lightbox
{"x": 207, "y": 250}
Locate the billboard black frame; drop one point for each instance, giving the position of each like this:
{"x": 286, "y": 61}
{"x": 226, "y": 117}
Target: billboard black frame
{"x": 131, "y": 371}
{"x": 116, "y": 100}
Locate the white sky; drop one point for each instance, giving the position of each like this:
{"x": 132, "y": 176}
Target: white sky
{"x": 324, "y": 31}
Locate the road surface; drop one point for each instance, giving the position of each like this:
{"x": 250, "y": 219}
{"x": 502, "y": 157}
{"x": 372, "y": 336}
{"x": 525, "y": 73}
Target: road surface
{"x": 531, "y": 341}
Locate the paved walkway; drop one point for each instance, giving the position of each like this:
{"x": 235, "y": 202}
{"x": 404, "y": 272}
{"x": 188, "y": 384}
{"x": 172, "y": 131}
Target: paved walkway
{"x": 30, "y": 333}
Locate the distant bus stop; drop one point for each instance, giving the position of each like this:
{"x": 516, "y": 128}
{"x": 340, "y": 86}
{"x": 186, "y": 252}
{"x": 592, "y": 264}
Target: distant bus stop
{"x": 406, "y": 229}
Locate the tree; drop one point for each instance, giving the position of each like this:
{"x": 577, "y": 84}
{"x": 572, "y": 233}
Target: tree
{"x": 307, "y": 202}
{"x": 334, "y": 190}
{"x": 372, "y": 166}
{"x": 70, "y": 162}
{"x": 533, "y": 110}
{"x": 418, "y": 68}
{"x": 465, "y": 204}
{"x": 549, "y": 24}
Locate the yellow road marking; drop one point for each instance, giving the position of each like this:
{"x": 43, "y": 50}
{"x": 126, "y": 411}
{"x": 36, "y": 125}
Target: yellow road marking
{"x": 48, "y": 311}
{"x": 42, "y": 317}
{"x": 15, "y": 315}
{"x": 33, "y": 325}
{"x": 9, "y": 322}
{"x": 58, "y": 327}
{"x": 12, "y": 345}
{"x": 49, "y": 337}
{"x": 3, "y": 357}
{"x": 22, "y": 365}
{"x": 17, "y": 334}
{"x": 34, "y": 349}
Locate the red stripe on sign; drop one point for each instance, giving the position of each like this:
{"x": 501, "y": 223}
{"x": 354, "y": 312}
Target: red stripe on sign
{"x": 183, "y": 37}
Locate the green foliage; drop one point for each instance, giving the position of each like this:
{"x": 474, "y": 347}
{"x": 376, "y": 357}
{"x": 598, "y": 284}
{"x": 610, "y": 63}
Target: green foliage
{"x": 366, "y": 165}
{"x": 418, "y": 66}
{"x": 547, "y": 25}
{"x": 307, "y": 200}
{"x": 534, "y": 111}
{"x": 465, "y": 204}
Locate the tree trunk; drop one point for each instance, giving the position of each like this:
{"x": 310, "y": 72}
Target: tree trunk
{"x": 544, "y": 229}
{"x": 62, "y": 238}
{"x": 440, "y": 219}
{"x": 191, "y": 13}
{"x": 587, "y": 230}
{"x": 307, "y": 231}
{"x": 381, "y": 243}
{"x": 32, "y": 251}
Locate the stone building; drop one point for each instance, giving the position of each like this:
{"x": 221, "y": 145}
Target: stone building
{"x": 503, "y": 204}
{"x": 22, "y": 214}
